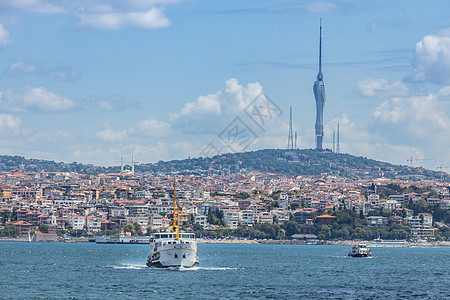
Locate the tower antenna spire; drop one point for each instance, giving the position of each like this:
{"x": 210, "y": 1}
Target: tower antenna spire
{"x": 320, "y": 51}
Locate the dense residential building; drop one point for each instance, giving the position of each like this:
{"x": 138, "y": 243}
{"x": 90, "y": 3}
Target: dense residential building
{"x": 231, "y": 218}
{"x": 75, "y": 222}
{"x": 62, "y": 200}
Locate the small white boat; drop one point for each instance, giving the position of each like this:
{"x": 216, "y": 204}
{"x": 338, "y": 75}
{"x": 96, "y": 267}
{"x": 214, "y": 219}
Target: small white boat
{"x": 360, "y": 250}
{"x": 173, "y": 249}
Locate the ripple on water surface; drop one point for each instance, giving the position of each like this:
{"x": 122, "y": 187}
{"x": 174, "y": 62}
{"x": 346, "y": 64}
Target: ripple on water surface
{"x": 91, "y": 271}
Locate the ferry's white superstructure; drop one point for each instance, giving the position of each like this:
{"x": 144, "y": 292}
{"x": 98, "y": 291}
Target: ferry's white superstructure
{"x": 360, "y": 250}
{"x": 173, "y": 249}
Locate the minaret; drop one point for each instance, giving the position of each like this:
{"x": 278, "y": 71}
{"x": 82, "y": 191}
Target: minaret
{"x": 319, "y": 94}
{"x": 290, "y": 144}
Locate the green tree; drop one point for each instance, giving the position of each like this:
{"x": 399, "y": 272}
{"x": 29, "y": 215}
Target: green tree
{"x": 290, "y": 228}
{"x": 215, "y": 217}
{"x": 421, "y": 205}
{"x": 324, "y": 232}
{"x": 43, "y": 228}
{"x": 294, "y": 205}
{"x": 243, "y": 195}
{"x": 133, "y": 228}
{"x": 10, "y": 231}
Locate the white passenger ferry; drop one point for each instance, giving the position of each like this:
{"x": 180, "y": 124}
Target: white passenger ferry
{"x": 123, "y": 238}
{"x": 173, "y": 249}
{"x": 360, "y": 250}
{"x": 388, "y": 243}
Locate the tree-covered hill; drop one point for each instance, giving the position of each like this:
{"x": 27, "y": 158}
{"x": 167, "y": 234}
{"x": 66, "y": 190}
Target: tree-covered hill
{"x": 292, "y": 163}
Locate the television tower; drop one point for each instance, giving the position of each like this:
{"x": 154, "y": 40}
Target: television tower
{"x": 319, "y": 94}
{"x": 290, "y": 144}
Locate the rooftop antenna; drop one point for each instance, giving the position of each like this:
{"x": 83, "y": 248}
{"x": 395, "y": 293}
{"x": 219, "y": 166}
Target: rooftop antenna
{"x": 132, "y": 164}
{"x": 121, "y": 164}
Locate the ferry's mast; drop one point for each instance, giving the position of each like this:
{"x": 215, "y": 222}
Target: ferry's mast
{"x": 174, "y": 207}
{"x": 178, "y": 221}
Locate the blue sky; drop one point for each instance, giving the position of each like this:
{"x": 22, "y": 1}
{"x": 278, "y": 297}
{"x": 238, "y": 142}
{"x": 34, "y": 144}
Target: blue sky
{"x": 91, "y": 81}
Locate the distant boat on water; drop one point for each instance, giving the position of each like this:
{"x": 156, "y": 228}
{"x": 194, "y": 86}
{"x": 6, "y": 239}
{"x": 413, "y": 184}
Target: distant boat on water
{"x": 360, "y": 250}
{"x": 123, "y": 238}
{"x": 388, "y": 243}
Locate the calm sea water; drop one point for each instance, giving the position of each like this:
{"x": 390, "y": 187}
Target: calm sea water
{"x": 91, "y": 271}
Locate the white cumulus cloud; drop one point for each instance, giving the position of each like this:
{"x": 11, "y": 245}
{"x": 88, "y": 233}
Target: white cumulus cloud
{"x": 4, "y": 36}
{"x": 421, "y": 123}
{"x": 380, "y": 87}
{"x": 422, "y": 115}
{"x": 39, "y": 6}
{"x": 150, "y": 19}
{"x": 101, "y": 14}
{"x": 21, "y": 68}
{"x": 151, "y": 128}
{"x": 41, "y": 99}
{"x": 211, "y": 113}
{"x": 431, "y": 60}
{"x": 109, "y": 135}
{"x": 9, "y": 123}
{"x": 38, "y": 99}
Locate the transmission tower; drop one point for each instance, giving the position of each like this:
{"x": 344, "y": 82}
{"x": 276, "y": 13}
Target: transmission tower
{"x": 290, "y": 144}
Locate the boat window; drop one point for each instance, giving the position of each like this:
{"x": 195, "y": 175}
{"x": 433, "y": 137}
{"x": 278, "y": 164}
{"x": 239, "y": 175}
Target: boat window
{"x": 164, "y": 236}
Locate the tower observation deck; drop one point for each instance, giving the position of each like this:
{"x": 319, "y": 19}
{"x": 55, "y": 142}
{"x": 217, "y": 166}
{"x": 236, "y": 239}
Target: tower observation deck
{"x": 319, "y": 94}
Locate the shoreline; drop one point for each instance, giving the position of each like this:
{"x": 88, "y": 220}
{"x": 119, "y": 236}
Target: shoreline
{"x": 256, "y": 242}
{"x": 296, "y": 242}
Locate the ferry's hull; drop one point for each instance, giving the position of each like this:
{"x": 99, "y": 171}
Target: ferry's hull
{"x": 175, "y": 257}
{"x": 360, "y": 255}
